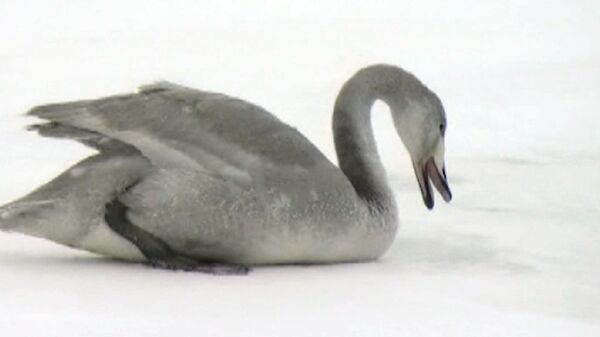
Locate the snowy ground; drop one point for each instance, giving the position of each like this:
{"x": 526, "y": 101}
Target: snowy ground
{"x": 514, "y": 254}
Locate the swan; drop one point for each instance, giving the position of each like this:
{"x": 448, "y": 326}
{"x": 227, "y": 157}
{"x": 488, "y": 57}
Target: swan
{"x": 192, "y": 180}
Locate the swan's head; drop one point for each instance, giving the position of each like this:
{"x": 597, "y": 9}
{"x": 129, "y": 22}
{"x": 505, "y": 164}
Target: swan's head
{"x": 421, "y": 124}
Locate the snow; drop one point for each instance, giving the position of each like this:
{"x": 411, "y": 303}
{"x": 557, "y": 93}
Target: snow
{"x": 514, "y": 254}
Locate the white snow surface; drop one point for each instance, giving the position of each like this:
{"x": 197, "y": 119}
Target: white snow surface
{"x": 516, "y": 253}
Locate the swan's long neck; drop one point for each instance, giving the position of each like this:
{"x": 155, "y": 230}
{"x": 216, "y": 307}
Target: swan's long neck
{"x": 353, "y": 134}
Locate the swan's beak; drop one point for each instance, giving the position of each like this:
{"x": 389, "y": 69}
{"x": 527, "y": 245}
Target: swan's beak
{"x": 429, "y": 170}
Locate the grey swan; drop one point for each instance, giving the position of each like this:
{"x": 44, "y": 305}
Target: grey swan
{"x": 193, "y": 180}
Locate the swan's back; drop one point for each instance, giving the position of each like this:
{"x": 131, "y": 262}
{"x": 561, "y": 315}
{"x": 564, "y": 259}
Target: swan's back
{"x": 253, "y": 129}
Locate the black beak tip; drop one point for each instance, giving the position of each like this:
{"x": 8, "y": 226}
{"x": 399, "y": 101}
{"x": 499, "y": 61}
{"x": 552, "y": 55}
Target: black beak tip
{"x": 428, "y": 202}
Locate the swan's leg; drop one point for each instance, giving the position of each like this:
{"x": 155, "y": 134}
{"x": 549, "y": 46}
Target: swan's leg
{"x": 157, "y": 252}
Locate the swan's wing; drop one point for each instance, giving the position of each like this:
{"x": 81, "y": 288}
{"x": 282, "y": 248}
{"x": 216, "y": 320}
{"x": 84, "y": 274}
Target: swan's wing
{"x": 92, "y": 139}
{"x": 175, "y": 126}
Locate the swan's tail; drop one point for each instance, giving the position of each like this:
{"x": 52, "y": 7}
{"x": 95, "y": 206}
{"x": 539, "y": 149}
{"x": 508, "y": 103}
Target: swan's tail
{"x": 16, "y": 216}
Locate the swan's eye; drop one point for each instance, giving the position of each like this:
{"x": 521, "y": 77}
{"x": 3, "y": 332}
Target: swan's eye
{"x": 442, "y": 128}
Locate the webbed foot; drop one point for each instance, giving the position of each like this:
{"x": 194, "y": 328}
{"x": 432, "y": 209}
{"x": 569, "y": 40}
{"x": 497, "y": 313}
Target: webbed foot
{"x": 157, "y": 252}
{"x": 183, "y": 263}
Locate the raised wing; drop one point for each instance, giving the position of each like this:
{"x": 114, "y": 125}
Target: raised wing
{"x": 177, "y": 126}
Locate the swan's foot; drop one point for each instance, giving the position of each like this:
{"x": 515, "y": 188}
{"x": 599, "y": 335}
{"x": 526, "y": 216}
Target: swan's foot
{"x": 157, "y": 252}
{"x": 183, "y": 263}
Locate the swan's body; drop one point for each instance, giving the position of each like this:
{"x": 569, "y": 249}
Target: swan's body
{"x": 214, "y": 178}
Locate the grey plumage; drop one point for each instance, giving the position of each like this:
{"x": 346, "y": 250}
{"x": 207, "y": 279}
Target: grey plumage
{"x": 216, "y": 178}
{"x": 89, "y": 138}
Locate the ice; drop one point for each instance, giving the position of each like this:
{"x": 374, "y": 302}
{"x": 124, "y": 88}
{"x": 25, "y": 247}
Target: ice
{"x": 514, "y": 254}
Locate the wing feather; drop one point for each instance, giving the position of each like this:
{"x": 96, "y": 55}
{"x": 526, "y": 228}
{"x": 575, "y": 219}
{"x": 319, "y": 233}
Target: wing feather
{"x": 177, "y": 126}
